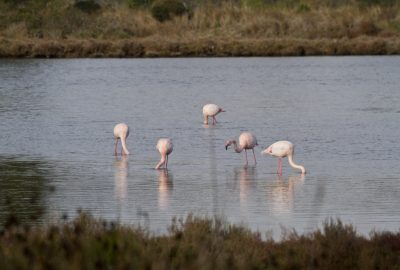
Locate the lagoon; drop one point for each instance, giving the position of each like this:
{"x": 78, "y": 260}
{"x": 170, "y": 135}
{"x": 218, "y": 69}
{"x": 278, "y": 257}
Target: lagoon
{"x": 341, "y": 113}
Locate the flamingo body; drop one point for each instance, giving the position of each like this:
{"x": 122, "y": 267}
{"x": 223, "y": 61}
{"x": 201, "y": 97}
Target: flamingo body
{"x": 283, "y": 149}
{"x": 165, "y": 147}
{"x": 211, "y": 110}
{"x": 246, "y": 141}
{"x": 121, "y": 132}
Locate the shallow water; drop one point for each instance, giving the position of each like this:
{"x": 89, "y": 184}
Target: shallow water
{"x": 341, "y": 113}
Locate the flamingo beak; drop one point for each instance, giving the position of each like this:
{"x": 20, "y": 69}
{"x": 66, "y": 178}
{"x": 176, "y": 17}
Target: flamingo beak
{"x": 226, "y": 147}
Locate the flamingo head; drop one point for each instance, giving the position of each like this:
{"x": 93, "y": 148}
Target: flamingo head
{"x": 221, "y": 110}
{"x": 228, "y": 143}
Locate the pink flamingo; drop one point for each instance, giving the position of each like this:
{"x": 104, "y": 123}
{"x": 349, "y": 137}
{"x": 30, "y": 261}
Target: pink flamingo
{"x": 121, "y": 131}
{"x": 283, "y": 149}
{"x": 165, "y": 147}
{"x": 246, "y": 141}
{"x": 211, "y": 110}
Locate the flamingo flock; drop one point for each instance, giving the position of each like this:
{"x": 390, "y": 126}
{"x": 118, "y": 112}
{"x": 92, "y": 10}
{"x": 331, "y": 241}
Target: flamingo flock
{"x": 246, "y": 141}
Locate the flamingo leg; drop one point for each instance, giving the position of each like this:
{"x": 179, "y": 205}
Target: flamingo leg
{"x": 255, "y": 161}
{"x": 166, "y": 163}
{"x": 245, "y": 151}
{"x": 277, "y": 168}
{"x": 115, "y": 149}
{"x": 214, "y": 120}
{"x": 280, "y": 166}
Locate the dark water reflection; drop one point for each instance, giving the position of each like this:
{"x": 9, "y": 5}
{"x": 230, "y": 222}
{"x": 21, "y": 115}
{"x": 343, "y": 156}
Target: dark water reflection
{"x": 342, "y": 114}
{"x": 24, "y": 187}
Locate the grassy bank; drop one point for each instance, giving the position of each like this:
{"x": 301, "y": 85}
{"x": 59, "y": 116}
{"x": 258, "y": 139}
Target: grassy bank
{"x": 196, "y": 243}
{"x": 204, "y": 47}
{"x": 55, "y": 28}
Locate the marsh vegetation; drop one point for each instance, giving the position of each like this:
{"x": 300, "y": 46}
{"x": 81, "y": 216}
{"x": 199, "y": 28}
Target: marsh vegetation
{"x": 137, "y": 28}
{"x": 192, "y": 243}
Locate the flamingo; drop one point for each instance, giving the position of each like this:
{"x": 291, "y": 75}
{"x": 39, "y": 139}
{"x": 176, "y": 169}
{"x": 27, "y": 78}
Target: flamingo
{"x": 211, "y": 110}
{"x": 246, "y": 141}
{"x": 165, "y": 147}
{"x": 121, "y": 131}
{"x": 283, "y": 149}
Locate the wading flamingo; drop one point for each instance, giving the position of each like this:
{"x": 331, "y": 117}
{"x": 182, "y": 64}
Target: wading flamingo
{"x": 211, "y": 110}
{"x": 165, "y": 147}
{"x": 121, "y": 132}
{"x": 246, "y": 141}
{"x": 283, "y": 149}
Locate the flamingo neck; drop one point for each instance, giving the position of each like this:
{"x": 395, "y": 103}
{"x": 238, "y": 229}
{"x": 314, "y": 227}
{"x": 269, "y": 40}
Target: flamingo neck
{"x": 237, "y": 148}
{"x": 124, "y": 146}
{"x": 162, "y": 161}
{"x": 205, "y": 119}
{"x": 294, "y": 165}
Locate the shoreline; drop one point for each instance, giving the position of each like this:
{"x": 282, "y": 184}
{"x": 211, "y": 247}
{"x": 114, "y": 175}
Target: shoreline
{"x": 205, "y": 47}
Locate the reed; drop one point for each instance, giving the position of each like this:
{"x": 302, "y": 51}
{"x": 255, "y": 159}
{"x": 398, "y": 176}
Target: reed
{"x": 191, "y": 243}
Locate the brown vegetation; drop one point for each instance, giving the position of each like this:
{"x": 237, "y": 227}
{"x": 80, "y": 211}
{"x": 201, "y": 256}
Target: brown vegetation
{"x": 195, "y": 243}
{"x": 205, "y": 47}
{"x": 227, "y": 29}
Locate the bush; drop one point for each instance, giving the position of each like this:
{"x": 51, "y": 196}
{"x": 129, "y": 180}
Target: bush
{"x": 88, "y": 6}
{"x": 378, "y": 2}
{"x": 303, "y": 8}
{"x": 14, "y": 2}
{"x": 164, "y": 10}
{"x": 191, "y": 243}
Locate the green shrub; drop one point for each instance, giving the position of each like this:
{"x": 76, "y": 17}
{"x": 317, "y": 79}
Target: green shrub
{"x": 14, "y": 2}
{"x": 378, "y": 2}
{"x": 88, "y": 6}
{"x": 163, "y": 10}
{"x": 191, "y": 243}
{"x": 303, "y": 8}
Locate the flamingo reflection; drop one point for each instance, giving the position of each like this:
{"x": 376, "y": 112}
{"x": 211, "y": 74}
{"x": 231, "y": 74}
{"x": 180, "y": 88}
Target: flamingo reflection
{"x": 120, "y": 180}
{"x": 246, "y": 176}
{"x": 164, "y": 188}
{"x": 281, "y": 193}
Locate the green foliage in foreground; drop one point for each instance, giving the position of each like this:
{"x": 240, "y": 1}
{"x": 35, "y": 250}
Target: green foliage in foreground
{"x": 195, "y": 243}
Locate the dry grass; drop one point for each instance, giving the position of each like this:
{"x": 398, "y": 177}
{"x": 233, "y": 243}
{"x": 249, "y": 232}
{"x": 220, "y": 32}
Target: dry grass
{"x": 158, "y": 47}
{"x": 212, "y": 30}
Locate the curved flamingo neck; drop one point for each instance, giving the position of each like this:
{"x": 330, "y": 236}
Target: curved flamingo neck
{"x": 238, "y": 149}
{"x": 162, "y": 161}
{"x": 294, "y": 165}
{"x": 124, "y": 146}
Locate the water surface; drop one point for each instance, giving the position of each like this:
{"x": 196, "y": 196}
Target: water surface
{"x": 341, "y": 113}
